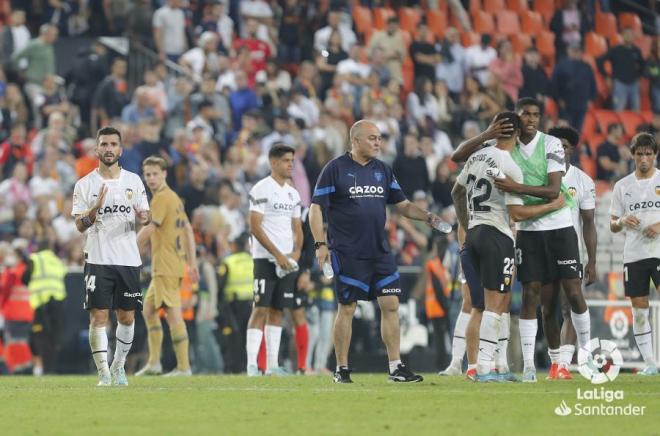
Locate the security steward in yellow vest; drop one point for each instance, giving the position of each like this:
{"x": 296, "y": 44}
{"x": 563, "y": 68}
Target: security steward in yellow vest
{"x": 235, "y": 295}
{"x": 47, "y": 294}
{"x": 438, "y": 287}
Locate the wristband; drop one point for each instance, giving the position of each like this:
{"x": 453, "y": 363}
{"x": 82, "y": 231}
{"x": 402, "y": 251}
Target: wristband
{"x": 319, "y": 244}
{"x": 86, "y": 221}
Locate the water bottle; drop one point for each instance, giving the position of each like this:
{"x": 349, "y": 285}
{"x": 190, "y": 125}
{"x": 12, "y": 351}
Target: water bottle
{"x": 327, "y": 270}
{"x": 441, "y": 226}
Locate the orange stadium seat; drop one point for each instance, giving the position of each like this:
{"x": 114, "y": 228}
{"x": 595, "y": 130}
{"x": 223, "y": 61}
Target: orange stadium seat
{"x": 594, "y": 44}
{"x": 493, "y": 6}
{"x": 545, "y": 43}
{"x": 437, "y": 22}
{"x": 470, "y": 38}
{"x": 545, "y": 8}
{"x": 520, "y": 42}
{"x": 508, "y": 23}
{"x": 550, "y": 108}
{"x": 604, "y": 118}
{"x": 475, "y": 5}
{"x": 362, "y": 18}
{"x": 630, "y": 120}
{"x": 588, "y": 165}
{"x": 482, "y": 22}
{"x": 381, "y": 15}
{"x": 630, "y": 20}
{"x": 614, "y": 40}
{"x": 643, "y": 42}
{"x": 532, "y": 22}
{"x": 606, "y": 24}
{"x": 647, "y": 116}
{"x": 409, "y": 18}
{"x": 518, "y": 6}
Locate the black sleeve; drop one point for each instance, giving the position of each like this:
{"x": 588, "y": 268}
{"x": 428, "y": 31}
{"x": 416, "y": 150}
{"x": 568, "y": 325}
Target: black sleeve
{"x": 307, "y": 252}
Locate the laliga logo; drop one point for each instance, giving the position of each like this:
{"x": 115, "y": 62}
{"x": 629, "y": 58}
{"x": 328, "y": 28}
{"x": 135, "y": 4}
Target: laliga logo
{"x": 600, "y": 367}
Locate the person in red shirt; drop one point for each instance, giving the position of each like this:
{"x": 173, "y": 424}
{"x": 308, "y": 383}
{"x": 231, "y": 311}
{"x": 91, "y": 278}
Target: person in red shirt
{"x": 15, "y": 149}
{"x": 259, "y": 50}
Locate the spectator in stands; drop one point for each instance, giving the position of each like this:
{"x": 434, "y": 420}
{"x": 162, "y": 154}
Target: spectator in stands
{"x": 421, "y": 106}
{"x": 215, "y": 20}
{"x": 478, "y": 58}
{"x": 506, "y": 69}
{"x": 475, "y": 104}
{"x": 203, "y": 58}
{"x": 327, "y": 60}
{"x": 66, "y": 135}
{"x": 379, "y": 65}
{"x": 259, "y": 51}
{"x": 308, "y": 80}
{"x": 177, "y": 106}
{"x": 446, "y": 106}
{"x": 139, "y": 23}
{"x": 612, "y": 157}
{"x": 16, "y": 36}
{"x": 169, "y": 28}
{"x": 652, "y": 71}
{"x": 111, "y": 96}
{"x": 193, "y": 192}
{"x": 89, "y": 69}
{"x": 14, "y": 189}
{"x": 322, "y": 36}
{"x": 291, "y": 32}
{"x": 569, "y": 25}
{"x": 87, "y": 161}
{"x": 37, "y": 59}
{"x": 65, "y": 225}
{"x": 410, "y": 167}
{"x": 495, "y": 90}
{"x": 627, "y": 68}
{"x": 52, "y": 99}
{"x": 15, "y": 150}
{"x": 19, "y": 112}
{"x": 424, "y": 54}
{"x": 391, "y": 42}
{"x": 281, "y": 133}
{"x": 573, "y": 86}
{"x": 452, "y": 67}
{"x": 261, "y": 12}
{"x": 140, "y": 109}
{"x": 241, "y": 100}
{"x": 442, "y": 185}
{"x": 535, "y": 80}
{"x": 45, "y": 188}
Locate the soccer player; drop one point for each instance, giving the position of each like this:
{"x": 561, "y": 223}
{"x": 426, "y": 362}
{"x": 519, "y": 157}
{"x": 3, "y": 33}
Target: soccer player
{"x": 354, "y": 189}
{"x": 635, "y": 208}
{"x": 275, "y": 224}
{"x": 489, "y": 240}
{"x": 582, "y": 189}
{"x": 172, "y": 247}
{"x": 546, "y": 246}
{"x": 106, "y": 204}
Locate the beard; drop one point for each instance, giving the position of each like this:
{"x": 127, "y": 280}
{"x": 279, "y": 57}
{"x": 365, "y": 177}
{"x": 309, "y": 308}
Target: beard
{"x": 109, "y": 161}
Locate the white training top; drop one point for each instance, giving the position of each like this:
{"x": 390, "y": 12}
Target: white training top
{"x": 554, "y": 153}
{"x": 487, "y": 204}
{"x": 279, "y": 205}
{"x": 640, "y": 198}
{"x": 112, "y": 239}
{"x": 583, "y": 191}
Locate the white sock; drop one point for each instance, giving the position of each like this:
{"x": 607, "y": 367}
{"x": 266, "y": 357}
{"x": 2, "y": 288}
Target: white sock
{"x": 273, "y": 337}
{"x": 503, "y": 344}
{"x": 98, "y": 342}
{"x": 488, "y": 332}
{"x": 252, "y": 344}
{"x": 566, "y": 354}
{"x": 471, "y": 366}
{"x": 554, "y": 355}
{"x": 394, "y": 364}
{"x": 582, "y": 325}
{"x": 458, "y": 341}
{"x": 124, "y": 336}
{"x": 528, "y": 329}
{"x": 643, "y": 337}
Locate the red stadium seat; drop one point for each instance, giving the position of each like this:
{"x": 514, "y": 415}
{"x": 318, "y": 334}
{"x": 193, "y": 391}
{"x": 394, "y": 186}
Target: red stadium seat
{"x": 520, "y": 42}
{"x": 588, "y": 165}
{"x": 470, "y": 38}
{"x": 381, "y": 15}
{"x": 630, "y": 20}
{"x": 643, "y": 42}
{"x": 493, "y": 6}
{"x": 409, "y": 18}
{"x": 545, "y": 8}
{"x": 551, "y": 110}
{"x": 604, "y": 118}
{"x": 437, "y": 22}
{"x": 594, "y": 44}
{"x": 545, "y": 44}
{"x": 508, "y": 23}
{"x": 614, "y": 40}
{"x": 630, "y": 120}
{"x": 532, "y": 22}
{"x": 475, "y": 5}
{"x": 518, "y": 6}
{"x": 482, "y": 22}
{"x": 647, "y": 116}
{"x": 362, "y": 19}
{"x": 606, "y": 24}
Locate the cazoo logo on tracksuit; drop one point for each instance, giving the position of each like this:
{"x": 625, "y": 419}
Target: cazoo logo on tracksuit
{"x": 358, "y": 191}
{"x": 115, "y": 208}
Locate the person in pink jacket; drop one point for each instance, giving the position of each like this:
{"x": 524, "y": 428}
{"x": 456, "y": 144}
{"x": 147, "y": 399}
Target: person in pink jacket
{"x": 507, "y": 68}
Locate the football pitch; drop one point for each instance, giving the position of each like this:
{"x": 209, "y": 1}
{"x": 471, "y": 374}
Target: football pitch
{"x": 232, "y": 405}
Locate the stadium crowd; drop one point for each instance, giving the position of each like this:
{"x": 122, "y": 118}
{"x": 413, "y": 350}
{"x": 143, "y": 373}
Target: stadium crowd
{"x": 230, "y": 78}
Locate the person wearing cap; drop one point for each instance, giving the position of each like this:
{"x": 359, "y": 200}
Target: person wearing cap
{"x": 573, "y": 86}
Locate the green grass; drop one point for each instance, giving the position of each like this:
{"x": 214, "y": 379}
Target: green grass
{"x": 312, "y": 405}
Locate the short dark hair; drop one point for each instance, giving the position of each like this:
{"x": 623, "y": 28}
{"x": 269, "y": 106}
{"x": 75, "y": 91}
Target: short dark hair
{"x": 108, "y": 130}
{"x": 528, "y": 101}
{"x": 279, "y": 149}
{"x": 611, "y": 127}
{"x": 155, "y": 161}
{"x": 643, "y": 140}
{"x": 568, "y": 133}
{"x": 511, "y": 118}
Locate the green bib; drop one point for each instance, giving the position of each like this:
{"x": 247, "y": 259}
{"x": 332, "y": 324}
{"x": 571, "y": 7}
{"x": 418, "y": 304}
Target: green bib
{"x": 535, "y": 173}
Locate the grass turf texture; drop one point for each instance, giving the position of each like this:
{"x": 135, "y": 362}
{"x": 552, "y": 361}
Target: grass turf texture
{"x": 313, "y": 405}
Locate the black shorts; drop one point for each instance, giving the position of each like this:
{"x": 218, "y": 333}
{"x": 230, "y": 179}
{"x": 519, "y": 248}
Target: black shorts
{"x": 299, "y": 299}
{"x": 473, "y": 281}
{"x": 364, "y": 279}
{"x": 491, "y": 253}
{"x": 270, "y": 290}
{"x": 548, "y": 255}
{"x": 112, "y": 287}
{"x": 637, "y": 276}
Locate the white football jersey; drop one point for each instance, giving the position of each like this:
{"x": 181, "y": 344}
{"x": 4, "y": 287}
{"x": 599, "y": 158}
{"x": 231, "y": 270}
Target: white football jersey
{"x": 487, "y": 204}
{"x": 554, "y": 152}
{"x": 583, "y": 191}
{"x": 640, "y": 198}
{"x": 279, "y": 205}
{"x": 112, "y": 239}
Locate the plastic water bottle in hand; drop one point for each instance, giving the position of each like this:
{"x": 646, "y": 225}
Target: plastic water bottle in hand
{"x": 327, "y": 270}
{"x": 441, "y": 226}
{"x": 495, "y": 173}
{"x": 281, "y": 272}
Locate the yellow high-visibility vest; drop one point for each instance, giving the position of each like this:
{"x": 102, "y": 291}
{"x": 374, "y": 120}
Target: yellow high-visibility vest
{"x": 239, "y": 284}
{"x": 47, "y": 279}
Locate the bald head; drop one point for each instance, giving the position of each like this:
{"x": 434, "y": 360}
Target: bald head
{"x": 365, "y": 140}
{"x": 359, "y": 127}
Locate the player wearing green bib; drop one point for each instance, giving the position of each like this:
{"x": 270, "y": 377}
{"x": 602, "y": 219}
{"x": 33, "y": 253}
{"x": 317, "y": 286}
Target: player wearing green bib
{"x": 547, "y": 246}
